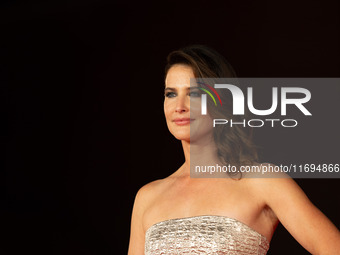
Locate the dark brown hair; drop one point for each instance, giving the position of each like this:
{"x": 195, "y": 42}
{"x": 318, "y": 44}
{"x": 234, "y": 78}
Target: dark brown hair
{"x": 234, "y": 145}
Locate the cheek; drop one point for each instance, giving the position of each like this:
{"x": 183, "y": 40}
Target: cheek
{"x": 195, "y": 107}
{"x": 167, "y": 109}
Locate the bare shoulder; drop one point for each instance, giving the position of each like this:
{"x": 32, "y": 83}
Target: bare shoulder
{"x": 274, "y": 190}
{"x": 142, "y": 201}
{"x": 305, "y": 222}
{"x": 148, "y": 193}
{"x": 272, "y": 183}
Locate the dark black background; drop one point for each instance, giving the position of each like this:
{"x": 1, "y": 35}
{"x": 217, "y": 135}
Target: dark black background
{"x": 82, "y": 92}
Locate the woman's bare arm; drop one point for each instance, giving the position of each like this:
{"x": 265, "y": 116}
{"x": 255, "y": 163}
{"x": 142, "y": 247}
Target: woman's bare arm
{"x": 306, "y": 223}
{"x": 136, "y": 244}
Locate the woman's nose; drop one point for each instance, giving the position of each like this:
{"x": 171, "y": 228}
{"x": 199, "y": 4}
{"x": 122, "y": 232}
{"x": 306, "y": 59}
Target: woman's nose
{"x": 182, "y": 105}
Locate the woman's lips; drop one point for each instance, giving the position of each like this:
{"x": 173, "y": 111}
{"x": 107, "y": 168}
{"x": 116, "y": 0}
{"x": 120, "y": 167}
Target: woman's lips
{"x": 183, "y": 121}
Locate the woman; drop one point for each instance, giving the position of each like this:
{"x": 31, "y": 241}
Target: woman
{"x": 183, "y": 215}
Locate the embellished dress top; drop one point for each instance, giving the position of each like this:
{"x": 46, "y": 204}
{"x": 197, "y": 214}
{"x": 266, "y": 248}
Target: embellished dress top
{"x": 208, "y": 234}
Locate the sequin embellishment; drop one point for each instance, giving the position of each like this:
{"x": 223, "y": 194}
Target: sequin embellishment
{"x": 206, "y": 234}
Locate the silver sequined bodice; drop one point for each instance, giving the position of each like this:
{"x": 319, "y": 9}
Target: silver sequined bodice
{"x": 204, "y": 235}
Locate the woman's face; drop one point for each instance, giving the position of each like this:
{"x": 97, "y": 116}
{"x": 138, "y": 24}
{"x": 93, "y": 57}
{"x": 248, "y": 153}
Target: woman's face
{"x": 180, "y": 117}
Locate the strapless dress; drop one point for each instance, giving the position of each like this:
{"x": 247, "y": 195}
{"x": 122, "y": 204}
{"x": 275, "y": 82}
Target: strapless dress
{"x": 206, "y": 234}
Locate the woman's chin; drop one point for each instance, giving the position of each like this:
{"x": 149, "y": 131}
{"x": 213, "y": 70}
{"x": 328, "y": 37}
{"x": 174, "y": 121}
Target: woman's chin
{"x": 183, "y": 137}
{"x": 187, "y": 136}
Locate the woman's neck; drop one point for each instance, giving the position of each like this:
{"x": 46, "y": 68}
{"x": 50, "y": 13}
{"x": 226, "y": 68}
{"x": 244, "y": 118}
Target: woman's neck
{"x": 203, "y": 153}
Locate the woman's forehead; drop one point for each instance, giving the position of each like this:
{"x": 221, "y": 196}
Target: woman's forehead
{"x": 179, "y": 76}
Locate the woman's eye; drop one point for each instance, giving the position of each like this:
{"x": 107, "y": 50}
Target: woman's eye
{"x": 195, "y": 94}
{"x": 170, "y": 94}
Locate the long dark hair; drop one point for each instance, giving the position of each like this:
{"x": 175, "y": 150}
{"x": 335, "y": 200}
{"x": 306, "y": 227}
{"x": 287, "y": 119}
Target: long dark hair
{"x": 234, "y": 145}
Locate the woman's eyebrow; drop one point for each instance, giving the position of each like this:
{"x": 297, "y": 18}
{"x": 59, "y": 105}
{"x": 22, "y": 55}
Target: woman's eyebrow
{"x": 168, "y": 88}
